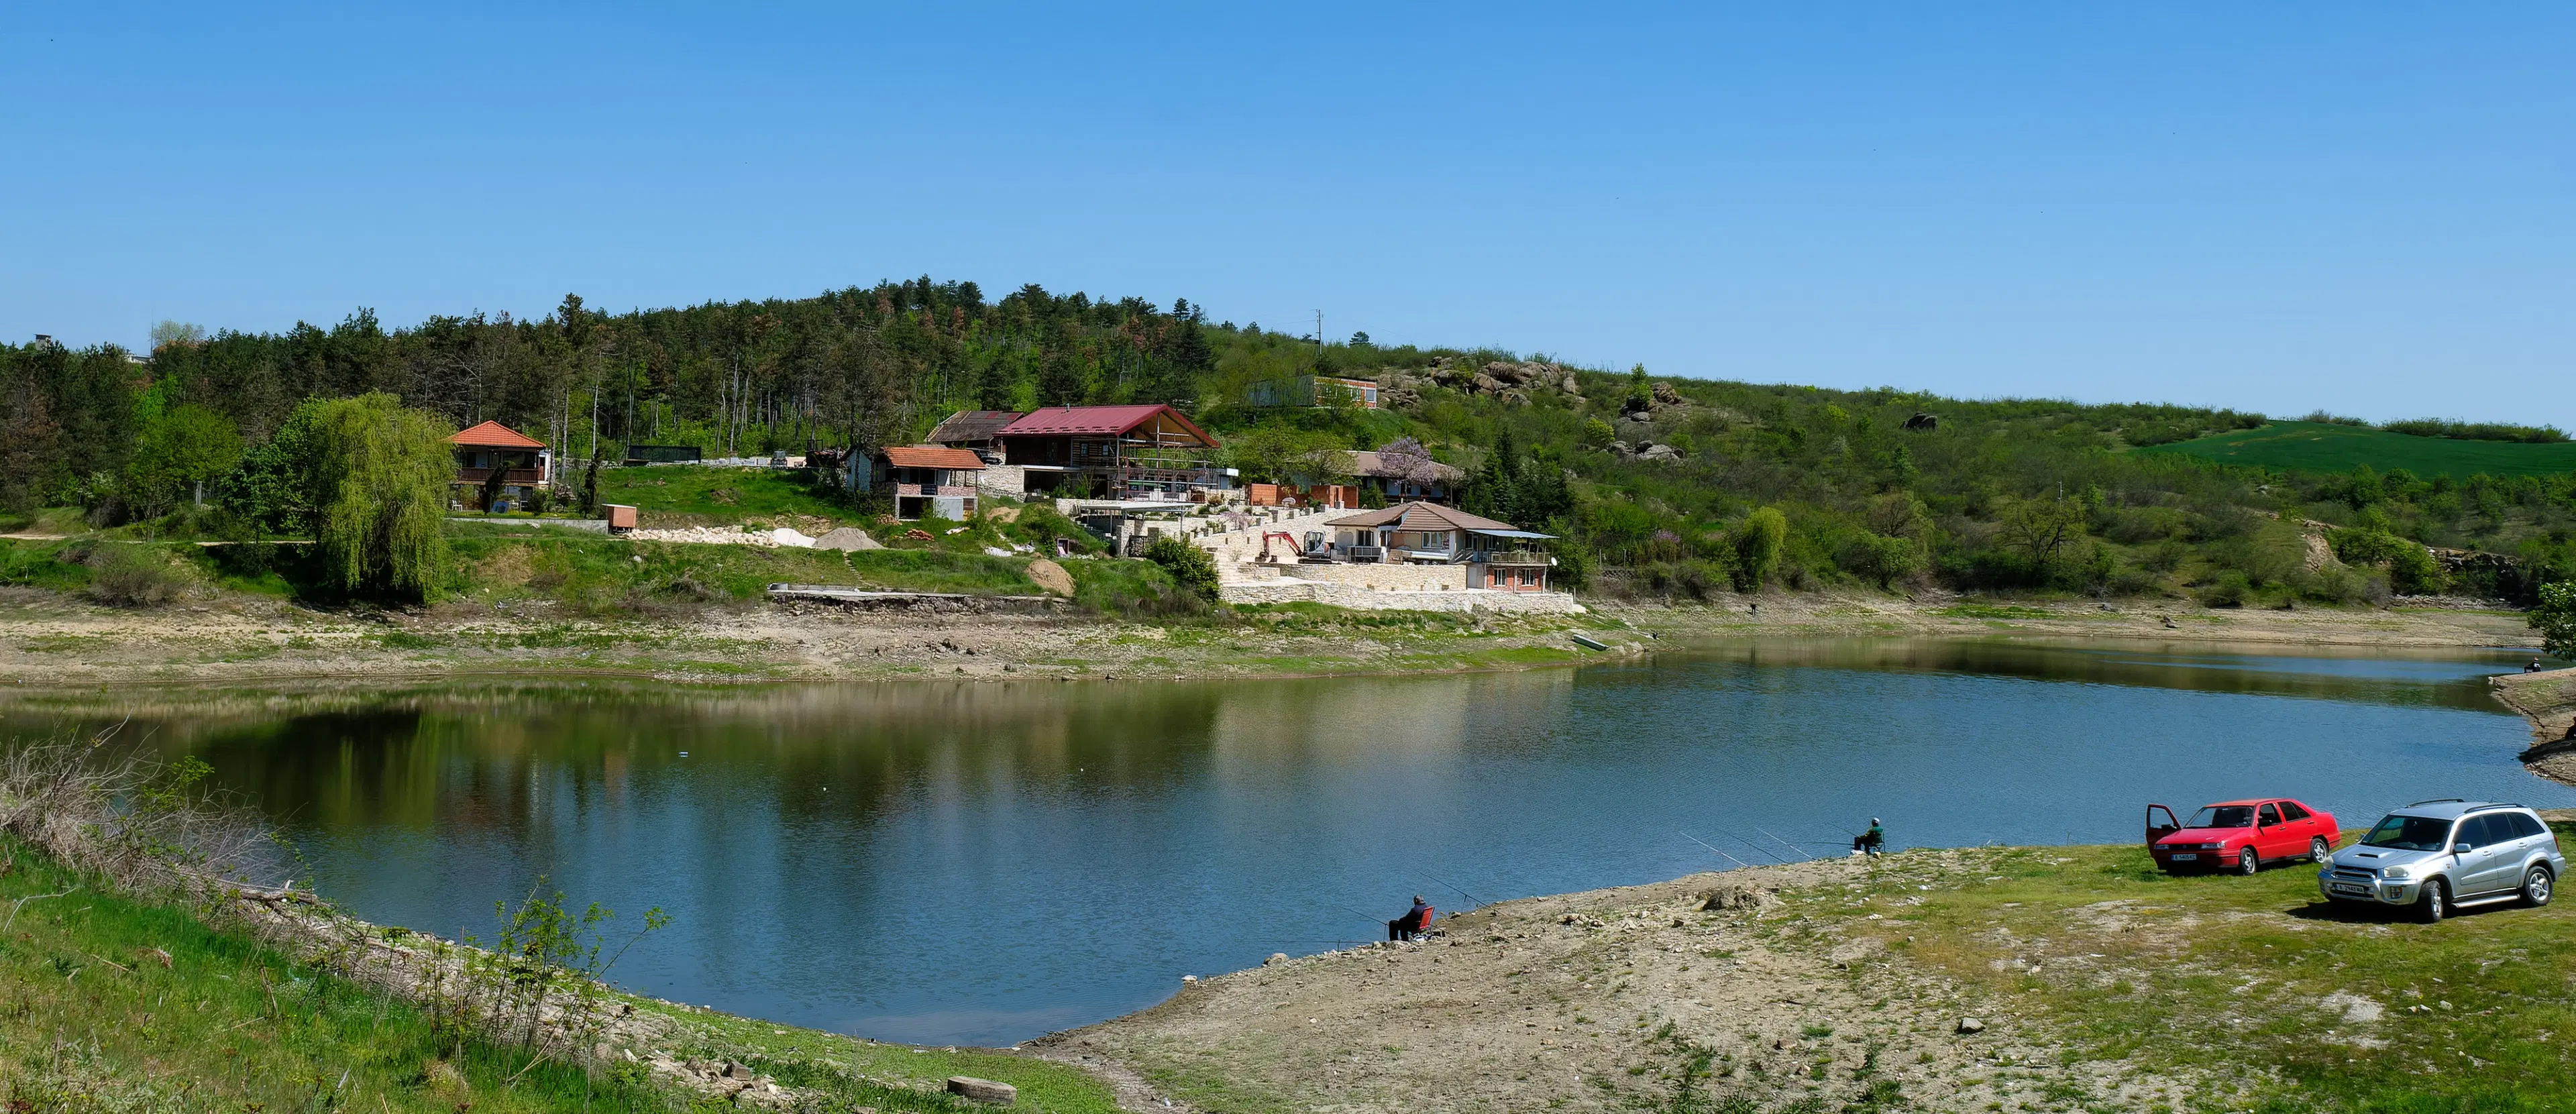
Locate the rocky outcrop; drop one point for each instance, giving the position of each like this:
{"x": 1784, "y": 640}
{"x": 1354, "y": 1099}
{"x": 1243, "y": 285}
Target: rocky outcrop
{"x": 2548, "y": 701}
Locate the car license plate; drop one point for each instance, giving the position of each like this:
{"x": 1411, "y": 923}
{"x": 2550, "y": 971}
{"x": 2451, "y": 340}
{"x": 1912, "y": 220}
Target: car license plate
{"x": 2348, "y": 888}
{"x": 2183, "y": 858}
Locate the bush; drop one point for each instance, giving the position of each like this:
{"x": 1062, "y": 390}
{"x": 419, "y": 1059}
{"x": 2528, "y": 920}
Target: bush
{"x": 1757, "y": 548}
{"x": 1191, "y": 567}
{"x": 2231, "y": 589}
{"x": 135, "y": 576}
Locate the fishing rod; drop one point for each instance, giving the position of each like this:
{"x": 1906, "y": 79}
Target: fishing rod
{"x": 1713, "y": 847}
{"x": 1471, "y": 898}
{"x": 1784, "y": 843}
{"x": 1755, "y": 845}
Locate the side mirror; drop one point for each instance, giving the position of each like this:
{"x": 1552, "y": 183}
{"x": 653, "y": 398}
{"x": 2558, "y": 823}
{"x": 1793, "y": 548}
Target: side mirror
{"x": 2461, "y": 849}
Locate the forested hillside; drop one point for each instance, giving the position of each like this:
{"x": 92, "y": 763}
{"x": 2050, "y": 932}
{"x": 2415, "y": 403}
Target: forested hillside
{"x": 1665, "y": 486}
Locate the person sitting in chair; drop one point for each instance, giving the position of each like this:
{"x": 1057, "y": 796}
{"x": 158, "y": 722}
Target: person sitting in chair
{"x": 1871, "y": 841}
{"x": 1414, "y": 922}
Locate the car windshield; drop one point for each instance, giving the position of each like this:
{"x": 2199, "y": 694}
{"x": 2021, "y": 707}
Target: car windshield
{"x": 2223, "y": 816}
{"x": 2408, "y": 833}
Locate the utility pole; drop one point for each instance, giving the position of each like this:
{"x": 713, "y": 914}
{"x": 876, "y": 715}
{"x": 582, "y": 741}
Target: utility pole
{"x": 1319, "y": 334}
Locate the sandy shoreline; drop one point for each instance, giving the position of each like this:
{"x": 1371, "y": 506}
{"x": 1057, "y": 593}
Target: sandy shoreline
{"x": 52, "y": 641}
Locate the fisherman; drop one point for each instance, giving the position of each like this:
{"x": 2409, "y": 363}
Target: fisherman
{"x": 1414, "y": 922}
{"x": 2534, "y": 667}
{"x": 1872, "y": 840}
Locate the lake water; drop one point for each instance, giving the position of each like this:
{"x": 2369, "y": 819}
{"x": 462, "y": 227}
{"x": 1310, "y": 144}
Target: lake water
{"x": 982, "y": 863}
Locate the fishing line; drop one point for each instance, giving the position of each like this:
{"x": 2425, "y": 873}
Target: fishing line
{"x": 1785, "y": 843}
{"x": 1755, "y": 845}
{"x": 1713, "y": 847}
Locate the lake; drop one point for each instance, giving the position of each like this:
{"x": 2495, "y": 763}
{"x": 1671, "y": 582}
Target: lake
{"x": 980, "y": 863}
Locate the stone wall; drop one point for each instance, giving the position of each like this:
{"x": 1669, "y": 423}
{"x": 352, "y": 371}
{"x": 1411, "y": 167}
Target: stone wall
{"x": 1358, "y": 598}
{"x": 1382, "y": 578}
{"x": 1003, "y": 479}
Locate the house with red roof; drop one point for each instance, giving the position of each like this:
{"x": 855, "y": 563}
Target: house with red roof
{"x": 924, "y": 480}
{"x": 1144, "y": 451}
{"x": 523, "y": 462}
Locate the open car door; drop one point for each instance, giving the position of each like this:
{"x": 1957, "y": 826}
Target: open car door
{"x": 2156, "y": 830}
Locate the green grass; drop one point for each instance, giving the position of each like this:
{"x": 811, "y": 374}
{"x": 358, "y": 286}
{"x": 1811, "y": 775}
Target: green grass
{"x": 91, "y": 1020}
{"x": 601, "y": 575}
{"x": 682, "y": 494}
{"x": 2327, "y": 447}
{"x": 2232, "y": 973}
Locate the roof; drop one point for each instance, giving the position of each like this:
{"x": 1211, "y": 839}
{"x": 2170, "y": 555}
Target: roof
{"x": 973, "y": 425}
{"x": 1422, "y": 516}
{"x": 2449, "y": 810}
{"x": 931, "y": 456}
{"x": 1095, "y": 419}
{"x": 1367, "y": 463}
{"x": 494, "y": 435}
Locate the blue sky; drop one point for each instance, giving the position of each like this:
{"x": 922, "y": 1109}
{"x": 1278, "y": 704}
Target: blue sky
{"x": 2365, "y": 208}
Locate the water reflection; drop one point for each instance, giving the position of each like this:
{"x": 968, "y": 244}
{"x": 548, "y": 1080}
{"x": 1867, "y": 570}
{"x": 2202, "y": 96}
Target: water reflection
{"x": 980, "y": 863}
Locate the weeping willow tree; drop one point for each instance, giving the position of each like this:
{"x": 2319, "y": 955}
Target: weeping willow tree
{"x": 380, "y": 476}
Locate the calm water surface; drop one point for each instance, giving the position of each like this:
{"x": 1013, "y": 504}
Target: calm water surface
{"x": 980, "y": 863}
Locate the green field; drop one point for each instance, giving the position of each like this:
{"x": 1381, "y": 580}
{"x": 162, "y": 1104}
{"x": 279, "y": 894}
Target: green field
{"x": 2327, "y": 447}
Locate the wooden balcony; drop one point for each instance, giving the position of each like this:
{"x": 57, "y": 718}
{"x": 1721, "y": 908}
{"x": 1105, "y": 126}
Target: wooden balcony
{"x": 1518, "y": 558}
{"x": 524, "y": 477}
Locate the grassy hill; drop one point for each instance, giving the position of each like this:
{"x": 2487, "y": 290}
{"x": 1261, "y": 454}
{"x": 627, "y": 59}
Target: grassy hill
{"x": 2330, "y": 447}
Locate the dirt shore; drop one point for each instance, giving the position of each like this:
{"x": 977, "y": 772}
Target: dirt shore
{"x": 1647, "y": 997}
{"x": 52, "y": 640}
{"x": 2548, "y": 700}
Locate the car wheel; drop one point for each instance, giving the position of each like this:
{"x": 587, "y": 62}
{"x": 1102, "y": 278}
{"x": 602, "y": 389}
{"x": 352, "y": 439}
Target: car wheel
{"x": 2435, "y": 903}
{"x": 2536, "y": 886}
{"x": 2318, "y": 849}
{"x": 2247, "y": 862}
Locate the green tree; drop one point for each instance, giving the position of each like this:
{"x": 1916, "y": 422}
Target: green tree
{"x": 380, "y": 474}
{"x": 2554, "y": 616}
{"x": 1188, "y": 564}
{"x": 181, "y": 451}
{"x": 1059, "y": 381}
{"x": 1597, "y": 434}
{"x": 1758, "y": 545}
{"x": 271, "y": 491}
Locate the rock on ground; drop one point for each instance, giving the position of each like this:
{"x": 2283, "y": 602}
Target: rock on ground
{"x": 1051, "y": 576}
{"x": 846, "y": 539}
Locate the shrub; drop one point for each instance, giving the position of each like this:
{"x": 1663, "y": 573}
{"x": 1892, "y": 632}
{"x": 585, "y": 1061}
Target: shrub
{"x": 2555, "y": 618}
{"x": 1191, "y": 567}
{"x": 1757, "y": 548}
{"x": 2230, "y": 589}
{"x": 135, "y": 576}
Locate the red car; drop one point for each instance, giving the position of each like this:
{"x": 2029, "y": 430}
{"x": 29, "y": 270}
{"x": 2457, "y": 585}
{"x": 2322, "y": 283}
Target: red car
{"x": 2240, "y": 835}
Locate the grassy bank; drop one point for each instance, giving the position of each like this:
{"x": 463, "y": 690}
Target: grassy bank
{"x": 2312, "y": 1006}
{"x": 573, "y": 573}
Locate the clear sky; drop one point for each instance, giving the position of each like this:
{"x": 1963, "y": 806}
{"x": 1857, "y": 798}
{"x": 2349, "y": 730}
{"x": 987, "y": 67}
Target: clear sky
{"x": 2273, "y": 207}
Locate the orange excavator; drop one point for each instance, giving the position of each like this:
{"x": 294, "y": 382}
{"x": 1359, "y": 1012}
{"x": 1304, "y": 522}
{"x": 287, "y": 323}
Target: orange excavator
{"x": 1285, "y": 538}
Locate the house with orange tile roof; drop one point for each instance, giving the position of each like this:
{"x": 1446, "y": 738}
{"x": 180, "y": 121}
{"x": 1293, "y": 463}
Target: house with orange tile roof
{"x": 928, "y": 480}
{"x": 523, "y": 461}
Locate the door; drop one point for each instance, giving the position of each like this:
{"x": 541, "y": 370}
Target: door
{"x": 2158, "y": 828}
{"x": 2304, "y": 826}
{"x": 2275, "y": 837}
{"x": 2488, "y": 865}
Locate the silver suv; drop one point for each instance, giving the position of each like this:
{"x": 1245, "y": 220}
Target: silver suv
{"x": 2441, "y": 855}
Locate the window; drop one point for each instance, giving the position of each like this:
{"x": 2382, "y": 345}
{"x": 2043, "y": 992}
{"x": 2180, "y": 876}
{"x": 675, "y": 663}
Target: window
{"x": 2408, "y": 833}
{"x": 2478, "y": 831}
{"x": 2291, "y": 811}
{"x": 2222, "y": 816}
{"x": 2529, "y": 825}
{"x": 2271, "y": 817}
